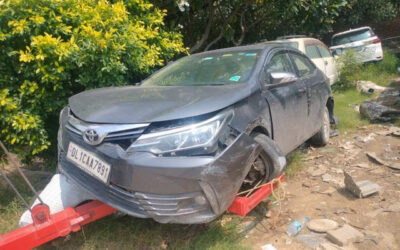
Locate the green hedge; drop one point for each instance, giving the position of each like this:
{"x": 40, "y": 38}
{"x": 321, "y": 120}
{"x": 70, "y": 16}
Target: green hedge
{"x": 52, "y": 49}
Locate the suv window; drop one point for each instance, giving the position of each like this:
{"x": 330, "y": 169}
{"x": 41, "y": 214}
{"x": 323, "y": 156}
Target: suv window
{"x": 352, "y": 37}
{"x": 324, "y": 51}
{"x": 280, "y": 63}
{"x": 304, "y": 66}
{"x": 312, "y": 52}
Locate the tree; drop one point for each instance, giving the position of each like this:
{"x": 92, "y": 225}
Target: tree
{"x": 213, "y": 24}
{"x": 52, "y": 49}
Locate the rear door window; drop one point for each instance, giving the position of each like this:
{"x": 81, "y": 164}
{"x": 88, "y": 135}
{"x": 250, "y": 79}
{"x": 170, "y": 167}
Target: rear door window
{"x": 352, "y": 37}
{"x": 312, "y": 52}
{"x": 324, "y": 51}
{"x": 303, "y": 64}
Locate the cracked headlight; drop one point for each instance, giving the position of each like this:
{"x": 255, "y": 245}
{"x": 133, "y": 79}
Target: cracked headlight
{"x": 198, "y": 135}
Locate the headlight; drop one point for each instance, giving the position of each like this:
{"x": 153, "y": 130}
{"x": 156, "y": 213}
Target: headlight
{"x": 203, "y": 134}
{"x": 61, "y": 120}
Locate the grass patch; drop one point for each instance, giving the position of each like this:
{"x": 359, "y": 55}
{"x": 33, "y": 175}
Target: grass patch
{"x": 295, "y": 163}
{"x": 134, "y": 233}
{"x": 345, "y": 102}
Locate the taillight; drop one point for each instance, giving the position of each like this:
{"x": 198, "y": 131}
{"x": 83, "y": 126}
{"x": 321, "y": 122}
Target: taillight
{"x": 376, "y": 40}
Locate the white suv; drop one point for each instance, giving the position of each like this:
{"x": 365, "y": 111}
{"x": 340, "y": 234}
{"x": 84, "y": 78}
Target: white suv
{"x": 363, "y": 41}
{"x": 317, "y": 51}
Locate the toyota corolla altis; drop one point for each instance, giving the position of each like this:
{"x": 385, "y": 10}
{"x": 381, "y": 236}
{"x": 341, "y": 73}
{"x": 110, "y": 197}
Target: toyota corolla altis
{"x": 178, "y": 147}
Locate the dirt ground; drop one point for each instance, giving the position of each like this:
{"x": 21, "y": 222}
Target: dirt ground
{"x": 318, "y": 191}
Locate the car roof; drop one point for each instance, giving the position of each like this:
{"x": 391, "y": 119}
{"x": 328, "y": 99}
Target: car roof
{"x": 258, "y": 46}
{"x": 351, "y": 30}
{"x": 305, "y": 40}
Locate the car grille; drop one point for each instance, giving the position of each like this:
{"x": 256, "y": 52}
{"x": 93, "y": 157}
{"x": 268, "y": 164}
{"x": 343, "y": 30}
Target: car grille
{"x": 122, "y": 134}
{"x": 160, "y": 205}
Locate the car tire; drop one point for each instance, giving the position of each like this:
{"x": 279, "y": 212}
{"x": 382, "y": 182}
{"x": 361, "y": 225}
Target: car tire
{"x": 262, "y": 139}
{"x": 322, "y": 137}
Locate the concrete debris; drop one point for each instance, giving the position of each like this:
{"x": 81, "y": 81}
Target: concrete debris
{"x": 385, "y": 108}
{"x": 369, "y": 87}
{"x": 329, "y": 191}
{"x": 268, "y": 247}
{"x": 327, "y": 178}
{"x": 380, "y": 161}
{"x": 362, "y": 165}
{"x": 322, "y": 225}
{"x": 310, "y": 240}
{"x": 362, "y": 188}
{"x": 328, "y": 246}
{"x": 344, "y": 235}
{"x": 317, "y": 171}
{"x": 365, "y": 139}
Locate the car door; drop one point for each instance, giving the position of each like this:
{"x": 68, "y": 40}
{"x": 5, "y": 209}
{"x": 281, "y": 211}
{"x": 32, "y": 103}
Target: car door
{"x": 330, "y": 66}
{"x": 287, "y": 101}
{"x": 312, "y": 79}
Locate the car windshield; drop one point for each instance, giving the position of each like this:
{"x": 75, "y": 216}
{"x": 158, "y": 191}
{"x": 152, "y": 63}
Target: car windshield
{"x": 352, "y": 37}
{"x": 207, "y": 69}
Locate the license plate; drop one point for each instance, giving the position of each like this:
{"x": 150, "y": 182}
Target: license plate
{"x": 88, "y": 162}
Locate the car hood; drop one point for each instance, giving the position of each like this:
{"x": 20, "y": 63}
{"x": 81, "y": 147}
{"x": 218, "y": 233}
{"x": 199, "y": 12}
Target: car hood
{"x": 138, "y": 104}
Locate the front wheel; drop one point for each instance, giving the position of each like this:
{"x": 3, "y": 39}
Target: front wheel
{"x": 322, "y": 137}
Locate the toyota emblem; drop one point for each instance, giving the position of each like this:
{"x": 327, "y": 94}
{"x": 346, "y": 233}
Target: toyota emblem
{"x": 90, "y": 136}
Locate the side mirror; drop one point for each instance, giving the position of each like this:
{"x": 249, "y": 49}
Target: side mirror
{"x": 282, "y": 77}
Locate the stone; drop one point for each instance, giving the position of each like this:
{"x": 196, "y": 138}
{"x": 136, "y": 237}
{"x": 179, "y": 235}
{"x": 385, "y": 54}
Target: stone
{"x": 385, "y": 108}
{"x": 322, "y": 225}
{"x": 344, "y": 235}
{"x": 310, "y": 240}
{"x": 369, "y": 87}
{"x": 328, "y": 246}
{"x": 362, "y": 165}
{"x": 380, "y": 161}
{"x": 327, "y": 178}
{"x": 268, "y": 247}
{"x": 362, "y": 188}
{"x": 329, "y": 191}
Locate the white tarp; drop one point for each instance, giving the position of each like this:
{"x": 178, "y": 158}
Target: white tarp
{"x": 59, "y": 194}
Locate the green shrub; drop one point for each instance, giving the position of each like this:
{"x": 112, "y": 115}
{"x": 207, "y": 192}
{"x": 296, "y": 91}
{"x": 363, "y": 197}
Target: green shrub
{"x": 52, "y": 49}
{"x": 348, "y": 70}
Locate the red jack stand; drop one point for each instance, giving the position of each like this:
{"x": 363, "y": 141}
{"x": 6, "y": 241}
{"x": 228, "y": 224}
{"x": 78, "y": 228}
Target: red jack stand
{"x": 243, "y": 205}
{"x": 46, "y": 227}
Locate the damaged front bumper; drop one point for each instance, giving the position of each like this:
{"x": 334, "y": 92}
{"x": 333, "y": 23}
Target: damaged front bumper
{"x": 184, "y": 189}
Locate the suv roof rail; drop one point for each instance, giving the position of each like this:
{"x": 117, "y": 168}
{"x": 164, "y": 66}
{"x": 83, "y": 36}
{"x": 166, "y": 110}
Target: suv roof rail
{"x": 290, "y": 36}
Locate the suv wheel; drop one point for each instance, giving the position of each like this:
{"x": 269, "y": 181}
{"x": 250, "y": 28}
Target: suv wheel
{"x": 322, "y": 137}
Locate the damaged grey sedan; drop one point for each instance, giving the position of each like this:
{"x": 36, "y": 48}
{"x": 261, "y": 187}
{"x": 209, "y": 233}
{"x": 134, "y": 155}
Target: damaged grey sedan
{"x": 179, "y": 147}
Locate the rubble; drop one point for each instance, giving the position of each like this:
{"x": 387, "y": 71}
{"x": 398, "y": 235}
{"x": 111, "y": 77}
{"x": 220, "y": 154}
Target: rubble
{"x": 369, "y": 87}
{"x": 344, "y": 235}
{"x": 380, "y": 161}
{"x": 362, "y": 188}
{"x": 385, "y": 108}
{"x": 328, "y": 246}
{"x": 310, "y": 240}
{"x": 322, "y": 225}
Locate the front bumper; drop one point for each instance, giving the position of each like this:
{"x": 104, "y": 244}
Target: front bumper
{"x": 192, "y": 189}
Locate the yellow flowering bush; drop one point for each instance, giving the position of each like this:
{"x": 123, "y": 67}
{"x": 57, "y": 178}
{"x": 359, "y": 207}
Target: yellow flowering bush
{"x": 52, "y": 49}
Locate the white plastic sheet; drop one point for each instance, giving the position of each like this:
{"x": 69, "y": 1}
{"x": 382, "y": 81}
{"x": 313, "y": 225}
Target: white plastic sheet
{"x": 59, "y": 194}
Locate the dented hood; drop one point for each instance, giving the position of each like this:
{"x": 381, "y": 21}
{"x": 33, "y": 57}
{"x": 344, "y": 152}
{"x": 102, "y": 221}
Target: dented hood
{"x": 138, "y": 104}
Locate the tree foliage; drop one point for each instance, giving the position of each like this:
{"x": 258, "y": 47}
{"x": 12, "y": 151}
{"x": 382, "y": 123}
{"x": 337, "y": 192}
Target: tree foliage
{"x": 52, "y": 49}
{"x": 212, "y": 24}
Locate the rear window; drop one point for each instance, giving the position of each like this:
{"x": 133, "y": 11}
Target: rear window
{"x": 352, "y": 37}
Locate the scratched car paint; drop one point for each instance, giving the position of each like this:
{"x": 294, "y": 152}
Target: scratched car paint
{"x": 181, "y": 145}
